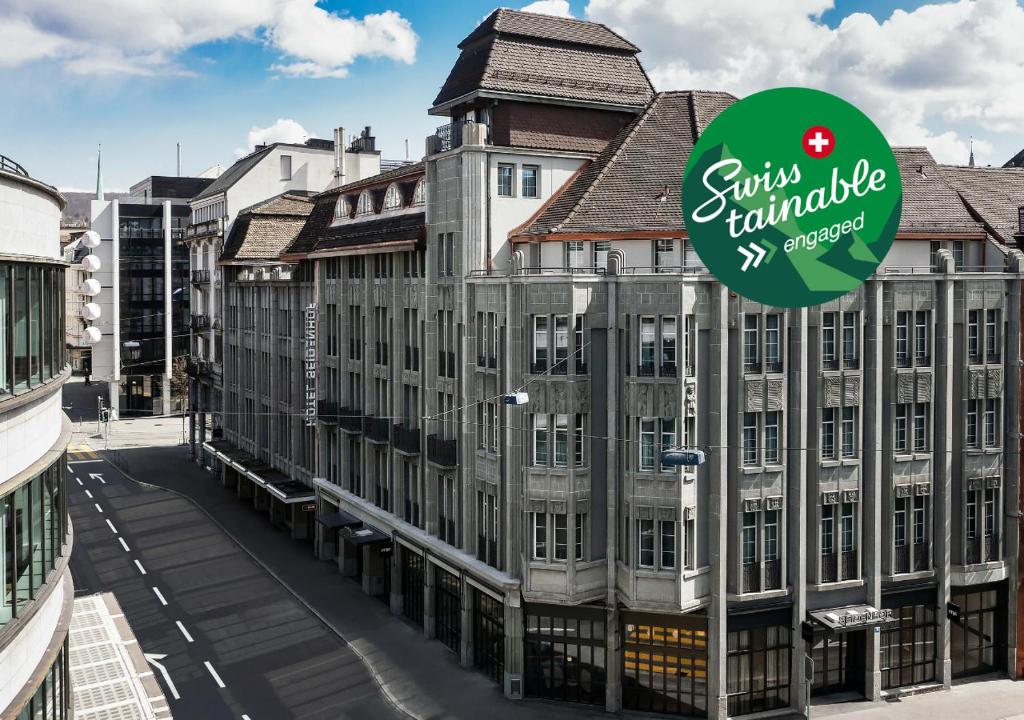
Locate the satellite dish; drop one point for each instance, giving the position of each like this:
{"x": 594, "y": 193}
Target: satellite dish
{"x": 91, "y": 311}
{"x": 90, "y": 287}
{"x": 90, "y": 239}
{"x": 91, "y": 263}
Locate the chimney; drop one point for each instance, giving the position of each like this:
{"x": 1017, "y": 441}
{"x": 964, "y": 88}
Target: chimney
{"x": 339, "y": 156}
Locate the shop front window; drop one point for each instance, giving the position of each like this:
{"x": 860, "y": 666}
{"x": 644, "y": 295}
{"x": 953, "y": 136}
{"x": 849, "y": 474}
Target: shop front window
{"x": 976, "y": 640}
{"x": 565, "y": 654}
{"x": 664, "y": 664}
{"x": 489, "y": 636}
{"x": 908, "y": 647}
{"x": 757, "y": 673}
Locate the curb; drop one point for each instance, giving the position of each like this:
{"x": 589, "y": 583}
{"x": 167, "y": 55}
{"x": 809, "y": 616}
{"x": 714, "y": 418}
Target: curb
{"x": 377, "y": 678}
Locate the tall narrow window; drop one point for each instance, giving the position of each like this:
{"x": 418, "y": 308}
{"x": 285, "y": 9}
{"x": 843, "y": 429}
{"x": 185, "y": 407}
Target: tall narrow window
{"x": 648, "y": 341}
{"x": 847, "y": 528}
{"x": 900, "y": 421}
{"x": 647, "y": 443}
{"x": 750, "y": 454}
{"x": 540, "y": 535}
{"x": 574, "y": 255}
{"x": 540, "y": 344}
{"x": 773, "y": 343}
{"x": 601, "y": 250}
{"x": 828, "y": 546}
{"x": 668, "y": 437}
{"x": 829, "y": 354}
{"x": 992, "y": 336}
{"x": 828, "y": 433}
{"x": 581, "y": 535}
{"x": 849, "y": 432}
{"x": 668, "y": 346}
{"x": 902, "y": 339}
{"x": 645, "y": 542}
{"x": 286, "y": 167}
{"x": 771, "y": 437}
{"x": 751, "y": 343}
{"x": 668, "y": 544}
{"x": 506, "y": 173}
{"x": 749, "y": 538}
{"x": 920, "y": 427}
{"x": 561, "y": 440}
{"x": 689, "y": 545}
{"x": 561, "y": 536}
{"x": 920, "y": 519}
{"x": 972, "y": 515}
{"x": 991, "y": 422}
{"x": 540, "y": 440}
{"x": 579, "y": 349}
{"x": 531, "y": 184}
{"x": 972, "y": 424}
{"x": 559, "y": 367}
{"x": 771, "y": 535}
{"x": 578, "y": 441}
{"x": 851, "y": 357}
{"x": 922, "y": 345}
{"x": 974, "y": 336}
{"x": 958, "y": 255}
{"x": 900, "y": 522}
{"x": 664, "y": 255}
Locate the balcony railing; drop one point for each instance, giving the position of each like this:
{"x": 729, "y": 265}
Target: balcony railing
{"x": 205, "y": 229}
{"x": 830, "y": 363}
{"x": 327, "y": 411}
{"x": 412, "y": 358}
{"x": 350, "y": 419}
{"x": 645, "y": 369}
{"x": 201, "y": 323}
{"x": 449, "y": 136}
{"x": 829, "y": 568}
{"x": 991, "y": 548}
{"x": 442, "y": 452}
{"x": 406, "y": 439}
{"x": 581, "y": 367}
{"x": 751, "y": 366}
{"x": 752, "y": 577}
{"x": 984, "y": 549}
{"x": 538, "y": 367}
{"x": 560, "y": 366}
{"x": 492, "y": 362}
{"x": 9, "y": 166}
{"x": 200, "y": 277}
{"x": 669, "y": 369}
{"x": 901, "y": 559}
{"x": 903, "y": 360}
{"x": 849, "y": 565}
{"x": 920, "y": 557}
{"x": 773, "y": 574}
{"x": 851, "y": 363}
{"x": 377, "y": 429}
{"x": 773, "y": 366}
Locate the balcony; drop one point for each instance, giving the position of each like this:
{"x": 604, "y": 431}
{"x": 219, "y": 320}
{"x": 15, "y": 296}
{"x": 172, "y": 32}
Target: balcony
{"x": 451, "y": 135}
{"x": 903, "y": 360}
{"x": 645, "y": 369}
{"x": 560, "y": 366}
{"x": 920, "y": 557}
{"x": 201, "y": 323}
{"x": 773, "y": 366}
{"x": 982, "y": 549}
{"x": 327, "y": 411}
{"x": 901, "y": 559}
{"x": 851, "y": 363}
{"x": 406, "y": 439}
{"x": 538, "y": 367}
{"x": 350, "y": 419}
{"x": 751, "y": 366}
{"x": 200, "y": 277}
{"x": 829, "y": 363}
{"x": 210, "y": 228}
{"x": 993, "y": 358}
{"x": 773, "y": 574}
{"x": 381, "y": 353}
{"x": 922, "y": 360}
{"x": 442, "y": 452}
{"x": 849, "y": 565}
{"x": 752, "y": 577}
{"x": 669, "y": 369}
{"x": 377, "y": 429}
{"x": 412, "y": 358}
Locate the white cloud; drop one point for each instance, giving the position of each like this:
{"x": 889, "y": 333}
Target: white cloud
{"x": 559, "y": 8}
{"x": 916, "y": 73}
{"x": 145, "y": 37}
{"x": 283, "y": 130}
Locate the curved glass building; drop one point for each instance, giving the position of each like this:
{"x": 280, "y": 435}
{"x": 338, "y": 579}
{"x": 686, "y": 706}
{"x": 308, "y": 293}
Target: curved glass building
{"x": 36, "y": 593}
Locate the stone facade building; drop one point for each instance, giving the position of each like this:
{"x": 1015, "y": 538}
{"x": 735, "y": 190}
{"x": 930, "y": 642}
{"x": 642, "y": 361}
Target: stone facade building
{"x": 856, "y": 503}
{"x": 36, "y": 591}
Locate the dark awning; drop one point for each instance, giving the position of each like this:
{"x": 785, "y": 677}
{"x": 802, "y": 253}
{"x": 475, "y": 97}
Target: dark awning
{"x": 365, "y": 535}
{"x": 340, "y": 519}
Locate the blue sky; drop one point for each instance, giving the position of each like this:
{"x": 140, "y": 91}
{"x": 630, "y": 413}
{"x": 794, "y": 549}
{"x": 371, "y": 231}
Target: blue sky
{"x": 60, "y": 101}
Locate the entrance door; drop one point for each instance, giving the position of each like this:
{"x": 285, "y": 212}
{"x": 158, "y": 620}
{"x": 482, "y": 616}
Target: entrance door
{"x": 838, "y": 662}
{"x": 976, "y": 641}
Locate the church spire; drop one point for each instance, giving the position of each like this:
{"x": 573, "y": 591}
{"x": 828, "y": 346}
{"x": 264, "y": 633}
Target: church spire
{"x": 970, "y": 162}
{"x": 99, "y": 172}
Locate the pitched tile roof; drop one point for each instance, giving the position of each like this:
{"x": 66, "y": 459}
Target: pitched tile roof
{"x": 993, "y": 195}
{"x": 622, "y": 189}
{"x": 532, "y": 54}
{"x": 376, "y": 229}
{"x": 387, "y": 176}
{"x": 265, "y": 230}
{"x": 930, "y": 204}
{"x": 548, "y": 27}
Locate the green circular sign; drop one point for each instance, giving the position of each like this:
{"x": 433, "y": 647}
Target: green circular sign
{"x": 792, "y": 197}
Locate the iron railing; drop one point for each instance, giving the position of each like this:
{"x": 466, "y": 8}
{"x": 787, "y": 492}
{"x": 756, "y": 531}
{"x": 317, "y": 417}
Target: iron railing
{"x": 442, "y": 452}
{"x": 377, "y": 429}
{"x": 752, "y": 577}
{"x": 350, "y": 419}
{"x": 773, "y": 574}
{"x": 849, "y": 565}
{"x": 200, "y": 277}
{"x": 829, "y": 568}
{"x": 406, "y": 439}
{"x": 9, "y": 166}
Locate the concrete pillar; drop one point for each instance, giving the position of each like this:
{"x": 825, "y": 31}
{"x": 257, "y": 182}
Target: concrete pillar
{"x": 395, "y": 568}
{"x": 942, "y": 459}
{"x": 1011, "y": 470}
{"x": 613, "y": 650}
{"x": 373, "y": 570}
{"x": 165, "y": 390}
{"x": 466, "y": 654}
{"x": 718, "y": 487}
{"x": 796, "y": 491}
{"x": 873, "y": 484}
{"x": 514, "y": 660}
{"x": 114, "y": 400}
{"x": 429, "y": 611}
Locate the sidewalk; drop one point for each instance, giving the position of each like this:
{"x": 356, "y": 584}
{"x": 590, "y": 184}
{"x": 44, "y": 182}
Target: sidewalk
{"x": 986, "y": 699}
{"x": 422, "y": 675}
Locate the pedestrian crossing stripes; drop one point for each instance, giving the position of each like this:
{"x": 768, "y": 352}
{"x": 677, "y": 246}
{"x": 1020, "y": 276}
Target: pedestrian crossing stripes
{"x": 81, "y": 451}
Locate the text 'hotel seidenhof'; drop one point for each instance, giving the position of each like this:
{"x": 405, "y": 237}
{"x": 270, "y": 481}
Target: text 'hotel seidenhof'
{"x": 858, "y": 499}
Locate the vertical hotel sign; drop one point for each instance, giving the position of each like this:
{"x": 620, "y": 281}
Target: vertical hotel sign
{"x": 309, "y": 359}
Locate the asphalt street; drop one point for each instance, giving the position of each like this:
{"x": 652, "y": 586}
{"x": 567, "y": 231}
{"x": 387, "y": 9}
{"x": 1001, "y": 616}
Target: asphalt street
{"x": 233, "y": 642}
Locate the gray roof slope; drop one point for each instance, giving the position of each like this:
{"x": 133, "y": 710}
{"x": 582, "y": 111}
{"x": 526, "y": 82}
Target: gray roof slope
{"x": 548, "y": 56}
{"x": 265, "y": 230}
{"x": 235, "y": 173}
{"x": 930, "y": 204}
{"x": 995, "y": 195}
{"x": 621, "y": 190}
{"x": 548, "y": 27}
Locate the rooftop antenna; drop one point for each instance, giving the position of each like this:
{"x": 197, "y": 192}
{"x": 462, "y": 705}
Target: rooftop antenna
{"x": 407, "y": 148}
{"x": 970, "y": 162}
{"x": 179, "y": 159}
{"x": 99, "y": 172}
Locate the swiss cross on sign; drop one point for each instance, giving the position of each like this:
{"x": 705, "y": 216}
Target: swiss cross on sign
{"x": 819, "y": 142}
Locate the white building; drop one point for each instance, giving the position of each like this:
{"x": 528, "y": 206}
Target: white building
{"x": 36, "y": 591}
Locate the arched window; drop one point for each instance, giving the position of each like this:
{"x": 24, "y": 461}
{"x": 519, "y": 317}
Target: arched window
{"x": 418, "y": 193}
{"x": 365, "y": 205}
{"x": 341, "y": 208}
{"x": 392, "y": 198}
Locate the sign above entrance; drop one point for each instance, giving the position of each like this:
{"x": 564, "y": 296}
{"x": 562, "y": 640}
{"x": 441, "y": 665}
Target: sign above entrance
{"x": 852, "y": 617}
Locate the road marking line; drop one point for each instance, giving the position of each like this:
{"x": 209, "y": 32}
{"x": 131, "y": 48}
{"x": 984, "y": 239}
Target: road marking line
{"x": 88, "y": 494}
{"x": 216, "y": 677}
{"x": 79, "y": 481}
{"x": 97, "y": 476}
{"x": 79, "y": 462}
{"x": 111, "y": 526}
{"x": 159, "y": 596}
{"x": 98, "y": 508}
{"x": 139, "y": 566}
{"x": 154, "y": 660}
{"x": 246, "y": 717}
{"x": 183, "y": 630}
{"x": 123, "y": 544}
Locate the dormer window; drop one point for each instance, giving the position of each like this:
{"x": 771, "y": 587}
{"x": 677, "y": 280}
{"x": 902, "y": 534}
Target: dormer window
{"x": 341, "y": 208}
{"x": 392, "y": 198}
{"x": 365, "y": 204}
{"x": 419, "y": 192}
